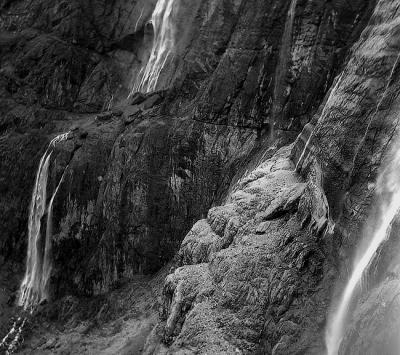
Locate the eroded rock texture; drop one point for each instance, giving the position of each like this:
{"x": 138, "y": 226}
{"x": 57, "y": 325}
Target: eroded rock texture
{"x": 339, "y": 155}
{"x": 137, "y": 182}
{"x": 204, "y": 172}
{"x": 249, "y": 273}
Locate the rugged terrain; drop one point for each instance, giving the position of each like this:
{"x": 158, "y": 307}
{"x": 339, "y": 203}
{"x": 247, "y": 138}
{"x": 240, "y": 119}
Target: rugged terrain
{"x": 217, "y": 214}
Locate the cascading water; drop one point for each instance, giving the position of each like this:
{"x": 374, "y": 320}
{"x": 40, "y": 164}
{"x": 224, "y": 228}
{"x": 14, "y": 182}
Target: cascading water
{"x": 34, "y": 285}
{"x": 163, "y": 44}
{"x": 388, "y": 189}
{"x": 13, "y": 338}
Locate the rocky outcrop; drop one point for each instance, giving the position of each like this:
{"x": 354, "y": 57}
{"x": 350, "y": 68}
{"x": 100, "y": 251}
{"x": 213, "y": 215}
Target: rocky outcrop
{"x": 248, "y": 275}
{"x": 354, "y": 136}
{"x": 220, "y": 291}
{"x": 344, "y": 147}
{"x": 363, "y": 97}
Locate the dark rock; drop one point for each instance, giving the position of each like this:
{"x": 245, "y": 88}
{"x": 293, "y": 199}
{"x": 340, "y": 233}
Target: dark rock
{"x": 105, "y": 116}
{"x": 11, "y": 300}
{"x": 151, "y": 101}
{"x": 137, "y": 98}
{"x": 131, "y": 113}
{"x": 152, "y": 213}
{"x": 197, "y": 170}
{"x": 43, "y": 302}
{"x": 83, "y": 134}
{"x": 117, "y": 112}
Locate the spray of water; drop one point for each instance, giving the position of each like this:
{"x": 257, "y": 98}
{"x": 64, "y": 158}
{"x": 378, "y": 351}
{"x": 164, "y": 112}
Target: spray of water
{"x": 34, "y": 285}
{"x": 163, "y": 44}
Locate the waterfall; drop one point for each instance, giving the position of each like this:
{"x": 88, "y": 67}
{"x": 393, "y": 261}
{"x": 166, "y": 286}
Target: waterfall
{"x": 389, "y": 189}
{"x": 163, "y": 44}
{"x": 38, "y": 267}
{"x": 47, "y": 250}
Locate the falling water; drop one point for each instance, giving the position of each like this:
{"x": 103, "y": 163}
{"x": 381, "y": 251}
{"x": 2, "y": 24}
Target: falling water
{"x": 34, "y": 285}
{"x": 313, "y": 132}
{"x": 30, "y": 291}
{"x": 47, "y": 250}
{"x": 389, "y": 188}
{"x": 14, "y": 337}
{"x": 163, "y": 44}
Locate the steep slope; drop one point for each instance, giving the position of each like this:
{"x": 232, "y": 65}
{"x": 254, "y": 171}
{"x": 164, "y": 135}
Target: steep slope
{"x": 250, "y": 274}
{"x": 253, "y": 275}
{"x": 126, "y": 208}
{"x": 257, "y": 274}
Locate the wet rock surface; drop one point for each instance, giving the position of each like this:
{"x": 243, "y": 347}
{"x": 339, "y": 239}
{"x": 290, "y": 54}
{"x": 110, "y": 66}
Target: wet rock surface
{"x": 201, "y": 173}
{"x": 178, "y": 166}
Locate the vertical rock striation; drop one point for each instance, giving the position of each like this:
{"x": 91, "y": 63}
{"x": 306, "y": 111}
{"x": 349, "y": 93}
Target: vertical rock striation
{"x": 205, "y": 169}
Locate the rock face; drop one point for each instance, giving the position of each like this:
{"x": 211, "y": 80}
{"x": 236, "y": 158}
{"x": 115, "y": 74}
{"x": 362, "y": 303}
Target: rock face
{"x": 134, "y": 190}
{"x": 206, "y": 172}
{"x": 338, "y": 155}
{"x": 248, "y": 275}
{"x": 129, "y": 210}
{"x": 347, "y": 161}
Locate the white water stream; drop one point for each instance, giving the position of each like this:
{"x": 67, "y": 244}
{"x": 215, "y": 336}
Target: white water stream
{"x": 163, "y": 44}
{"x": 13, "y": 338}
{"x": 389, "y": 187}
{"x": 38, "y": 266}
{"x": 389, "y": 191}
